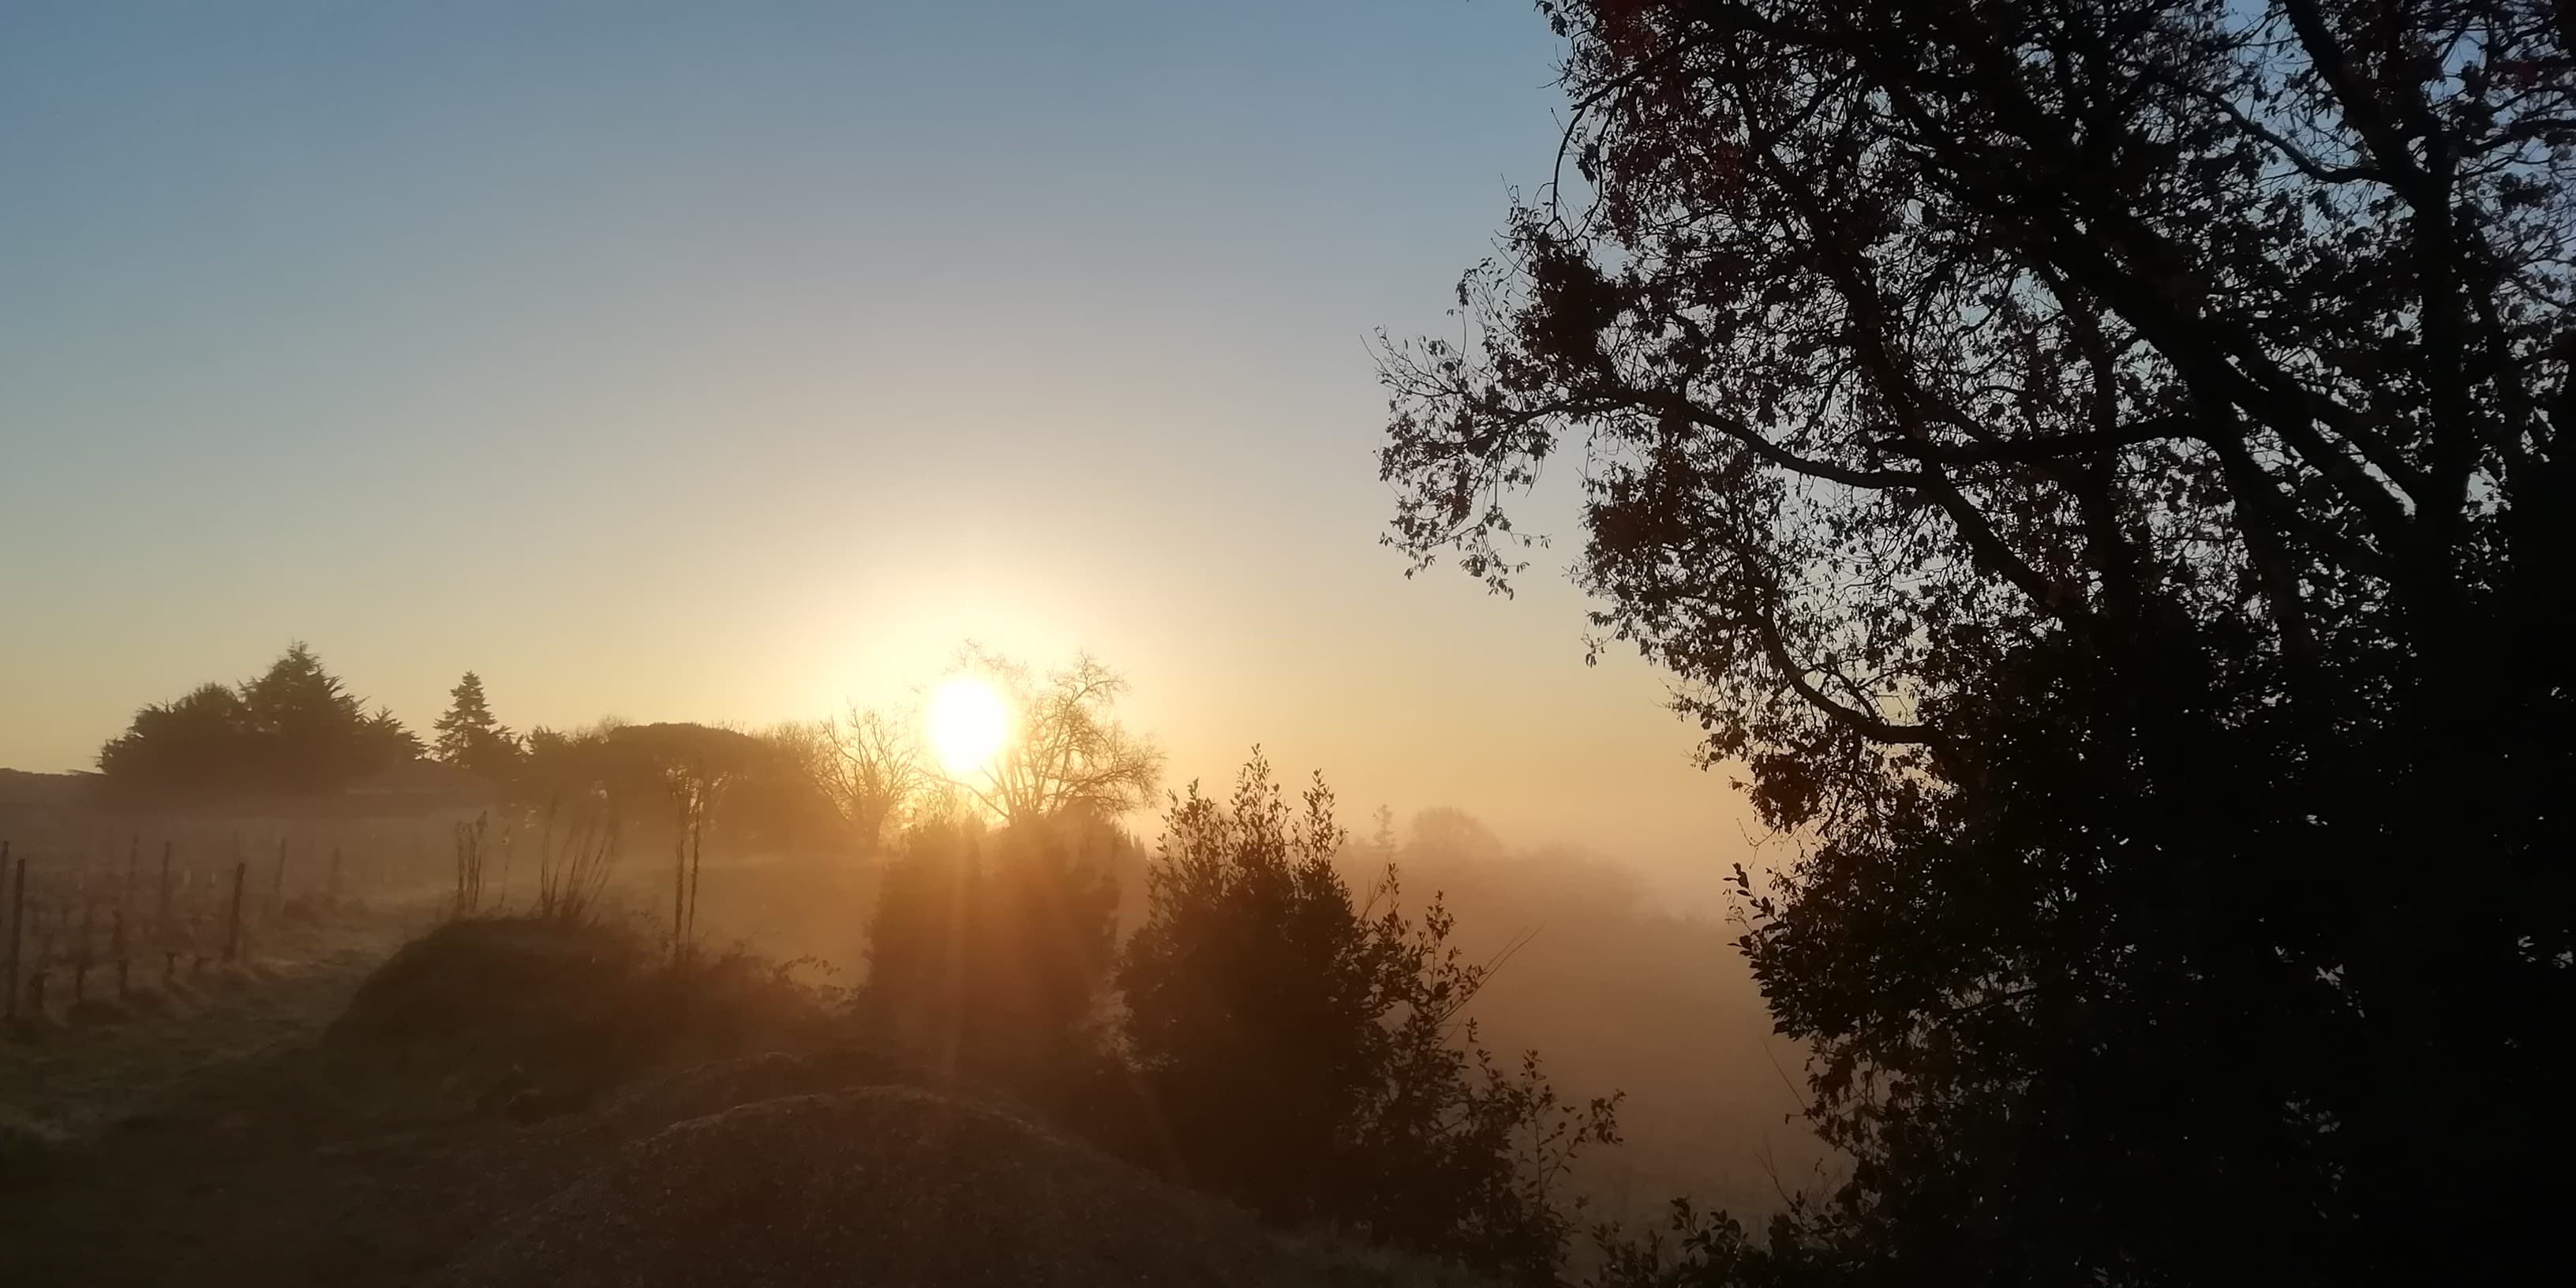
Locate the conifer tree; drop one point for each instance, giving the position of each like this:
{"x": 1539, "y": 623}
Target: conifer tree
{"x": 469, "y": 738}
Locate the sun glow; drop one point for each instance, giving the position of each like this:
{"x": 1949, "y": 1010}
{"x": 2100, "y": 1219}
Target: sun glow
{"x": 968, "y": 723}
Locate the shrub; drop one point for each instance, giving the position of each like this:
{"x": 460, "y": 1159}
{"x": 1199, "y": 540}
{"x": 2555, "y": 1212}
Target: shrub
{"x": 988, "y": 952}
{"x": 567, "y": 1009}
{"x": 1309, "y": 1054}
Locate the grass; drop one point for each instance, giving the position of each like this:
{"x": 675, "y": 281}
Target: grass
{"x": 91, "y": 1064}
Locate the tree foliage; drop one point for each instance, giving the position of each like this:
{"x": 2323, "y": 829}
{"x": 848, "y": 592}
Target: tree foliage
{"x": 2095, "y": 467}
{"x": 293, "y": 728}
{"x": 869, "y": 764}
{"x": 1309, "y": 1054}
{"x": 664, "y": 777}
{"x": 989, "y": 951}
{"x": 470, "y": 739}
{"x": 1067, "y": 753}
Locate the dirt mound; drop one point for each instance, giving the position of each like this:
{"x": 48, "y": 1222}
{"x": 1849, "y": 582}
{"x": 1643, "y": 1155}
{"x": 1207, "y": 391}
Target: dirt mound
{"x": 881, "y": 1187}
{"x": 544, "y": 1015}
{"x": 529, "y": 1165}
{"x": 649, "y": 1106}
{"x": 495, "y": 987}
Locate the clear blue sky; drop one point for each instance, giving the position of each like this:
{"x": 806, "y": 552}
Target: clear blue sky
{"x": 725, "y": 361}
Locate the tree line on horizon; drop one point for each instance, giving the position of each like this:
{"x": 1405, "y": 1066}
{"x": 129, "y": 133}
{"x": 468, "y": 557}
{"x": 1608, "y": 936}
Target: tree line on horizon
{"x": 849, "y": 782}
{"x": 849, "y": 785}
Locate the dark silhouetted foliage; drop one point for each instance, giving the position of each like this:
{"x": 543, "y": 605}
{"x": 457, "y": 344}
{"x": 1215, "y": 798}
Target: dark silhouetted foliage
{"x": 568, "y": 1007}
{"x": 2095, "y": 467}
{"x": 989, "y": 952}
{"x": 295, "y": 728}
{"x": 1310, "y": 1056}
{"x": 470, "y": 739}
{"x": 869, "y": 765}
{"x": 1067, "y": 752}
{"x": 659, "y": 777}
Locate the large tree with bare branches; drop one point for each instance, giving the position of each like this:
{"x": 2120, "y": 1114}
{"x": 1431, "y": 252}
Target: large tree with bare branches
{"x": 2094, "y": 466}
{"x": 1067, "y": 752}
{"x": 869, "y": 764}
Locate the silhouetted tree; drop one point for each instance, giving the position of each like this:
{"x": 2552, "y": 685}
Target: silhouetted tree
{"x": 1310, "y": 1056}
{"x": 194, "y": 742}
{"x": 868, "y": 764}
{"x": 2095, "y": 467}
{"x": 293, "y": 728}
{"x": 988, "y": 951}
{"x": 315, "y": 734}
{"x": 666, "y": 777}
{"x": 1067, "y": 753}
{"x": 470, "y": 739}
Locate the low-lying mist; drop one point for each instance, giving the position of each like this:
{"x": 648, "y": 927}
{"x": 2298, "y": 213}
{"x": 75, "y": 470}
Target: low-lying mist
{"x": 1612, "y": 984}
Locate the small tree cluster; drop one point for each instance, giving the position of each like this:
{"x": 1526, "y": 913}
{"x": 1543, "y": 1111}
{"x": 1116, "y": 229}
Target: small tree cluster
{"x": 662, "y": 777}
{"x": 293, "y": 728}
{"x": 1310, "y": 1052}
{"x": 1282, "y": 1043}
{"x": 989, "y": 949}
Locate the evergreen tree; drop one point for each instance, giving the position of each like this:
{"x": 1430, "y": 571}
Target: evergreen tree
{"x": 293, "y": 728}
{"x": 468, "y": 736}
{"x": 193, "y": 742}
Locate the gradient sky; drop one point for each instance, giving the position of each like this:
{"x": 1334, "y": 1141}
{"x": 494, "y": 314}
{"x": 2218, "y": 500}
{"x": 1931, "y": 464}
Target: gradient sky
{"x": 728, "y": 361}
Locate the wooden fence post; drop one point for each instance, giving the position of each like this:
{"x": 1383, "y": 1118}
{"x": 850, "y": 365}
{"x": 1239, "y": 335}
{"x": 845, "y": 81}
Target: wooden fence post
{"x": 125, "y": 901}
{"x": 17, "y": 924}
{"x": 232, "y": 930}
{"x": 679, "y": 895}
{"x": 81, "y": 959}
{"x": 164, "y": 914}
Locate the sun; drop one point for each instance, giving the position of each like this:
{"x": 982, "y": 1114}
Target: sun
{"x": 968, "y": 723}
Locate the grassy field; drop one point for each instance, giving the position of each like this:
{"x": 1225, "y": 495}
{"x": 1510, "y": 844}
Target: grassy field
{"x": 73, "y": 1072}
